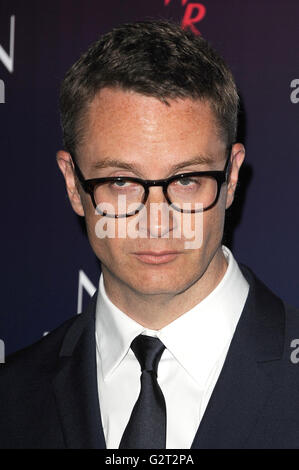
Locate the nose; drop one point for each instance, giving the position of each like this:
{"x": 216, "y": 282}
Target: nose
{"x": 159, "y": 221}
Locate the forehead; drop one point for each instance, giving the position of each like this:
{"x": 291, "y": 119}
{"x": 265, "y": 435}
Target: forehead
{"x": 126, "y": 124}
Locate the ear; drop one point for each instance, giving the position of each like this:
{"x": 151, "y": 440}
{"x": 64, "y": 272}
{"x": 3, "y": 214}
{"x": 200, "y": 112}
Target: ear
{"x": 236, "y": 159}
{"x": 65, "y": 164}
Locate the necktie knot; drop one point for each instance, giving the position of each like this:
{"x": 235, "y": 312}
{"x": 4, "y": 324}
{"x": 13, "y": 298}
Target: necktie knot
{"x": 148, "y": 351}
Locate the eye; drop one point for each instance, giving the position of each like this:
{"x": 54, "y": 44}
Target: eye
{"x": 120, "y": 183}
{"x": 185, "y": 181}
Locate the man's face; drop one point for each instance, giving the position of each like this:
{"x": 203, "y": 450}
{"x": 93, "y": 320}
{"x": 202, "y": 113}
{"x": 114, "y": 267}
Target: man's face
{"x": 154, "y": 139}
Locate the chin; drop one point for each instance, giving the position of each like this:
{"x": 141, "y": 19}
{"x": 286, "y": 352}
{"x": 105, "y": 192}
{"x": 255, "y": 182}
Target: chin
{"x": 159, "y": 285}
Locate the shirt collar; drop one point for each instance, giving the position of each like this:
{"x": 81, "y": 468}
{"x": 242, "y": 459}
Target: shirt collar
{"x": 200, "y": 337}
{"x": 196, "y": 339}
{"x": 114, "y": 331}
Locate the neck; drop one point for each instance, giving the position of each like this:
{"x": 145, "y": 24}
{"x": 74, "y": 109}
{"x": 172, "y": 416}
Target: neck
{"x": 156, "y": 311}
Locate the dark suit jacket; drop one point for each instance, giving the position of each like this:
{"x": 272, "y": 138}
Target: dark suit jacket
{"x": 49, "y": 397}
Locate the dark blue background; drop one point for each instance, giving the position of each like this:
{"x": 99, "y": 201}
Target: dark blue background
{"x": 43, "y": 245}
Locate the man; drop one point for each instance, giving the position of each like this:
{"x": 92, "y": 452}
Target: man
{"x": 180, "y": 347}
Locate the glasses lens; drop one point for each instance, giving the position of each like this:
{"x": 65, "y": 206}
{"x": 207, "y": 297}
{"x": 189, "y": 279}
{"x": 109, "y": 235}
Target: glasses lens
{"x": 118, "y": 198}
{"x": 193, "y": 193}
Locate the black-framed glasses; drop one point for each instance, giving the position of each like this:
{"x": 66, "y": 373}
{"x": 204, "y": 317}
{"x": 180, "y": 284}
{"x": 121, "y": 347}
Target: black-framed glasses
{"x": 124, "y": 196}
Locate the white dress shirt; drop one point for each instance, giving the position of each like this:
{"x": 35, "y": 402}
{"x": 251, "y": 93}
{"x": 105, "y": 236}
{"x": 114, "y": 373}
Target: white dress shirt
{"x": 196, "y": 347}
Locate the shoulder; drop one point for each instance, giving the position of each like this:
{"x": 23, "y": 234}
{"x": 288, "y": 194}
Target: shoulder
{"x": 292, "y": 312}
{"x": 292, "y": 323}
{"x": 268, "y": 299}
{"x": 43, "y": 355}
{"x": 27, "y": 384}
{"x": 39, "y": 357}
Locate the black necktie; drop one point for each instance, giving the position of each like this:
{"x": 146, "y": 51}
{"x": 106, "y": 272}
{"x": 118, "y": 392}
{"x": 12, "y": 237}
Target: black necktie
{"x": 146, "y": 428}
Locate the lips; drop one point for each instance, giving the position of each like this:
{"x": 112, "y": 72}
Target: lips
{"x": 157, "y": 257}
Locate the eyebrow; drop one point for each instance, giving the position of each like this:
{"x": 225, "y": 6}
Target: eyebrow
{"x": 132, "y": 166}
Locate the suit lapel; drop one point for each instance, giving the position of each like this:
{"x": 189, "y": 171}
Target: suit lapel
{"x": 248, "y": 376}
{"x": 75, "y": 385}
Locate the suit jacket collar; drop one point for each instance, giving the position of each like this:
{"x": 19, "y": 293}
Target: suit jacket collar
{"x": 75, "y": 385}
{"x": 245, "y": 382}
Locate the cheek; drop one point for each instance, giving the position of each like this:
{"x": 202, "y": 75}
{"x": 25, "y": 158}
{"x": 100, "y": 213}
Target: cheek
{"x": 109, "y": 249}
{"x": 102, "y": 246}
{"x": 213, "y": 224}
{"x": 204, "y": 229}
